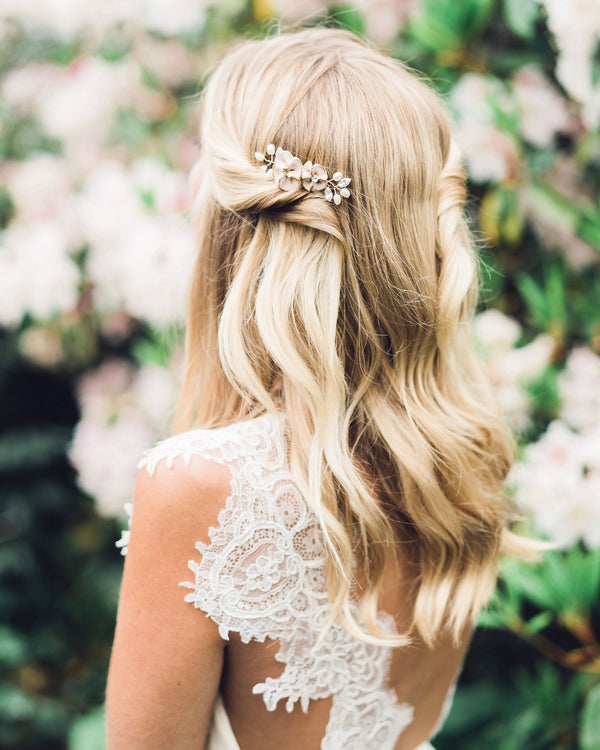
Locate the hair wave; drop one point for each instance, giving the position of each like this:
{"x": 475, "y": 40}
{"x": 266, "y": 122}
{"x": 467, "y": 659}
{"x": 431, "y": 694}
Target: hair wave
{"x": 353, "y": 319}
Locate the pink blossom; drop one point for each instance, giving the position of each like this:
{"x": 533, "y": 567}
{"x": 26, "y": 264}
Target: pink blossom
{"x": 544, "y": 111}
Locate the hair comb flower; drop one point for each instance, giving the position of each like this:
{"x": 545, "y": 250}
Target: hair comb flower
{"x": 289, "y": 174}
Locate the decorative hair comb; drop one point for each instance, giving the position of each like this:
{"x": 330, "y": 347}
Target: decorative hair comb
{"x": 289, "y": 174}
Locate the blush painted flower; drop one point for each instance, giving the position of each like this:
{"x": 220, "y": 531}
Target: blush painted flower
{"x": 287, "y": 170}
{"x": 314, "y": 176}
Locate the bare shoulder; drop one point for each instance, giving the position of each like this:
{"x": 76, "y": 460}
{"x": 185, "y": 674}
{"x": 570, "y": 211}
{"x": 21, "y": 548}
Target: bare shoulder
{"x": 180, "y": 498}
{"x": 167, "y": 657}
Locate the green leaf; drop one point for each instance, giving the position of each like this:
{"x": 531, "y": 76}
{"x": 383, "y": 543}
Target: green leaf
{"x": 473, "y": 705}
{"x": 158, "y": 346}
{"x": 539, "y": 621}
{"x": 7, "y": 208}
{"x": 15, "y": 704}
{"x": 590, "y": 720}
{"x": 442, "y": 25}
{"x": 551, "y": 206}
{"x": 588, "y": 227}
{"x": 501, "y": 216}
{"x": 131, "y": 128}
{"x": 544, "y": 393}
{"x": 546, "y": 300}
{"x": 349, "y": 17}
{"x": 13, "y": 647}
{"x": 521, "y": 16}
{"x": 32, "y": 448}
{"x": 87, "y": 732}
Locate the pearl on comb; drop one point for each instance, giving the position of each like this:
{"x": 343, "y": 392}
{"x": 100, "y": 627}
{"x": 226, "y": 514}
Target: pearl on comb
{"x": 289, "y": 174}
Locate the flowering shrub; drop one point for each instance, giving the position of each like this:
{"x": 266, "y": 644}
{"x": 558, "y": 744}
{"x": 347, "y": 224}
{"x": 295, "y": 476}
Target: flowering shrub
{"x": 97, "y": 138}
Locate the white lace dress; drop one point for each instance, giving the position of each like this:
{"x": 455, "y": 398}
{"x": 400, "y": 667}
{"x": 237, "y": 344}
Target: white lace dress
{"x": 262, "y": 576}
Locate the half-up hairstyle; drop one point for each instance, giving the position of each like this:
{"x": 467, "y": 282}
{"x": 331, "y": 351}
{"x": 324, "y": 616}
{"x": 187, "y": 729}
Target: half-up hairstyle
{"x": 353, "y": 319}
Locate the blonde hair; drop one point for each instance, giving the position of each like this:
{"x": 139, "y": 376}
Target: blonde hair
{"x": 353, "y": 319}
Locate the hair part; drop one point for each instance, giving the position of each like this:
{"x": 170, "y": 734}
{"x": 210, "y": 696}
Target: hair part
{"x": 353, "y": 319}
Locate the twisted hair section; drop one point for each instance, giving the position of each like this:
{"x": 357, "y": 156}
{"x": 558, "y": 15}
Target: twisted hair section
{"x": 353, "y": 319}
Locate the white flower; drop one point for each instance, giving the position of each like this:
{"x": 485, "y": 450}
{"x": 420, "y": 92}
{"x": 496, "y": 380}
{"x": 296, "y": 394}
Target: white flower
{"x": 41, "y": 187}
{"x": 544, "y": 111}
{"x": 557, "y": 482}
{"x": 141, "y": 244}
{"x": 37, "y": 275}
{"x": 123, "y": 410}
{"x": 576, "y": 27}
{"x": 386, "y": 19}
{"x": 510, "y": 368}
{"x": 169, "y": 61}
{"x": 579, "y": 389}
{"x": 86, "y": 98}
{"x": 106, "y": 456}
{"x": 173, "y": 18}
{"x": 526, "y": 363}
{"x": 105, "y": 392}
{"x": 21, "y": 87}
{"x": 470, "y": 99}
{"x": 92, "y": 19}
{"x": 79, "y": 100}
{"x": 155, "y": 390}
{"x": 287, "y": 170}
{"x": 489, "y": 153}
{"x": 495, "y": 330}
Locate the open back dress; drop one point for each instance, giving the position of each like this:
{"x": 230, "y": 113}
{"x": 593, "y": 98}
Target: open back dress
{"x": 261, "y": 579}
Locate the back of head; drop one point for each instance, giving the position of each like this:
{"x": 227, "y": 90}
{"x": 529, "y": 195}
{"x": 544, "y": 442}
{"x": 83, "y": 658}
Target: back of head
{"x": 352, "y": 318}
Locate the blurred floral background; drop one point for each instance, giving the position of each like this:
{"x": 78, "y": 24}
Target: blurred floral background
{"x": 97, "y": 138}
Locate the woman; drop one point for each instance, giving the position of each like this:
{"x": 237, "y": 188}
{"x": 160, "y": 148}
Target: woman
{"x": 338, "y": 457}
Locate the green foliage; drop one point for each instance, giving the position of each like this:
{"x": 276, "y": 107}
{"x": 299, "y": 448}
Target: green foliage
{"x": 531, "y": 709}
{"x": 132, "y": 129}
{"x": 6, "y": 207}
{"x": 20, "y": 135}
{"x": 32, "y": 448}
{"x": 348, "y": 17}
{"x": 546, "y": 301}
{"x": 521, "y": 16}
{"x": 566, "y": 585}
{"x": 157, "y": 346}
{"x": 590, "y": 720}
{"x": 59, "y": 571}
{"x": 501, "y": 215}
{"x": 447, "y": 25}
{"x": 589, "y": 225}
{"x": 87, "y": 732}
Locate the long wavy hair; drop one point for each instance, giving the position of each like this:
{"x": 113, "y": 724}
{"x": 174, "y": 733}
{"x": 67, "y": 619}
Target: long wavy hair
{"x": 353, "y": 319}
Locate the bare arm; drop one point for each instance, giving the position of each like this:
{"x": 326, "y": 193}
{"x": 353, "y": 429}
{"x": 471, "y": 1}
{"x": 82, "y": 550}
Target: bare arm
{"x": 167, "y": 656}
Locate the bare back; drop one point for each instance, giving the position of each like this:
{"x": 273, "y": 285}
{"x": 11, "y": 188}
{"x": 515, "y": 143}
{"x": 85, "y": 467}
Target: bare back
{"x": 260, "y": 577}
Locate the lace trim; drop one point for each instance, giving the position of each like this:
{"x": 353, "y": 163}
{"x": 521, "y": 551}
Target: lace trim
{"x": 262, "y": 575}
